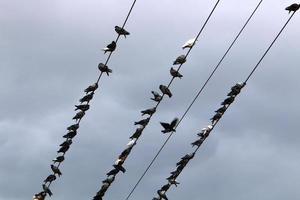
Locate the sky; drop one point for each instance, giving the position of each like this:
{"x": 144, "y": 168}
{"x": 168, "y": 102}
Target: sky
{"x": 49, "y": 52}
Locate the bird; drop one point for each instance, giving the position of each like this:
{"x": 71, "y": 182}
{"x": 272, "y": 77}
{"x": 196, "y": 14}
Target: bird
{"x": 70, "y": 134}
{"x": 121, "y": 31}
{"x": 189, "y": 44}
{"x": 91, "y": 88}
{"x": 182, "y": 162}
{"x": 126, "y": 152}
{"x": 97, "y": 197}
{"x": 142, "y": 122}
{"x": 137, "y": 133}
{"x": 47, "y": 190}
{"x": 173, "y": 182}
{"x": 63, "y": 149}
{"x": 79, "y": 115}
{"x": 157, "y": 96}
{"x": 228, "y": 101}
{"x": 83, "y": 107}
{"x": 109, "y": 180}
{"x": 120, "y": 168}
{"x": 175, "y": 73}
{"x": 221, "y": 110}
{"x": 197, "y": 142}
{"x": 113, "y": 172}
{"x": 149, "y": 111}
{"x": 162, "y": 194}
{"x": 50, "y": 178}
{"x": 56, "y": 170}
{"x": 180, "y": 60}
{"x": 165, "y": 90}
{"x": 104, "y": 68}
{"x": 67, "y": 142}
{"x": 169, "y": 127}
{"x": 188, "y": 156}
{"x": 59, "y": 159}
{"x": 87, "y": 98}
{"x": 131, "y": 143}
{"x": 165, "y": 187}
{"x": 216, "y": 117}
{"x": 293, "y": 8}
{"x": 73, "y": 127}
{"x": 105, "y": 186}
{"x": 39, "y": 196}
{"x": 110, "y": 48}
{"x": 181, "y": 167}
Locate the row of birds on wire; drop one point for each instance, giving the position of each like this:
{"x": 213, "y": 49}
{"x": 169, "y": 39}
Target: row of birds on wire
{"x": 167, "y": 127}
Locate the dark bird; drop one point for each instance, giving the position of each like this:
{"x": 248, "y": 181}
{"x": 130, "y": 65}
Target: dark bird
{"x": 293, "y": 8}
{"x": 228, "y": 101}
{"x": 138, "y": 132}
{"x": 59, "y": 159}
{"x": 180, "y": 60}
{"x": 79, "y": 115}
{"x": 175, "y": 73}
{"x": 157, "y": 97}
{"x": 100, "y": 193}
{"x": 120, "y": 168}
{"x": 111, "y": 47}
{"x": 109, "y": 180}
{"x": 175, "y": 173}
{"x": 169, "y": 127}
{"x": 113, "y": 172}
{"x": 39, "y": 196}
{"x": 91, "y": 88}
{"x": 182, "y": 162}
{"x": 126, "y": 152}
{"x": 50, "y": 178}
{"x": 221, "y": 110}
{"x": 165, "y": 187}
{"x": 235, "y": 90}
{"x": 120, "y": 161}
{"x": 86, "y": 98}
{"x": 97, "y": 197}
{"x": 70, "y": 134}
{"x": 105, "y": 186}
{"x": 162, "y": 194}
{"x": 83, "y": 107}
{"x": 165, "y": 90}
{"x": 149, "y": 111}
{"x": 63, "y": 149}
{"x": 67, "y": 142}
{"x": 181, "y": 167}
{"x": 56, "y": 170}
{"x": 47, "y": 190}
{"x": 188, "y": 156}
{"x": 216, "y": 117}
{"x": 104, "y": 68}
{"x": 121, "y": 31}
{"x": 142, "y": 122}
{"x": 173, "y": 182}
{"x": 198, "y": 142}
{"x": 73, "y": 127}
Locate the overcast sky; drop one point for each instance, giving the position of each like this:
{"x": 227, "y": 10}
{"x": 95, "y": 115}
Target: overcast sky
{"x": 49, "y": 52}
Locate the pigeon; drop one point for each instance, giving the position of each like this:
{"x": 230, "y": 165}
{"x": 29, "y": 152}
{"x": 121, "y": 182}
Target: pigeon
{"x": 138, "y": 132}
{"x": 111, "y": 47}
{"x": 73, "y": 127}
{"x": 120, "y": 168}
{"x": 87, "y": 98}
{"x": 175, "y": 173}
{"x": 125, "y": 153}
{"x": 83, "y": 107}
{"x": 121, "y": 31}
{"x": 104, "y": 68}
{"x": 293, "y": 8}
{"x": 109, "y": 180}
{"x": 67, "y": 142}
{"x": 157, "y": 96}
{"x": 235, "y": 90}
{"x": 131, "y": 143}
{"x": 79, "y": 115}
{"x": 175, "y": 73}
{"x": 228, "y": 101}
{"x": 143, "y": 122}
{"x": 181, "y": 167}
{"x": 205, "y": 131}
{"x": 173, "y": 182}
{"x": 59, "y": 159}
{"x": 197, "y": 142}
{"x": 50, "y": 178}
{"x": 189, "y": 44}
{"x": 56, "y": 170}
{"x": 165, "y": 90}
{"x": 113, "y": 172}
{"x": 180, "y": 60}
{"x": 47, "y": 190}
{"x": 98, "y": 197}
{"x": 70, "y": 134}
{"x": 165, "y": 187}
{"x": 149, "y": 111}
{"x": 39, "y": 196}
{"x": 221, "y": 110}
{"x": 105, "y": 186}
{"x": 63, "y": 149}
{"x": 100, "y": 194}
{"x": 162, "y": 194}
{"x": 182, "y": 162}
{"x": 119, "y": 161}
{"x": 188, "y": 156}
{"x": 216, "y": 117}
{"x": 169, "y": 127}
{"x": 91, "y": 88}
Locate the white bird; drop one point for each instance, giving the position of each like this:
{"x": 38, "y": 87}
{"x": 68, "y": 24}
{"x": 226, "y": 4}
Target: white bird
{"x": 189, "y": 43}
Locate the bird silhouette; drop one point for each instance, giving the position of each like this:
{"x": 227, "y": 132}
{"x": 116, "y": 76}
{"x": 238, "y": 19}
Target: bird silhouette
{"x": 73, "y": 127}
{"x": 165, "y": 90}
{"x": 79, "y": 115}
{"x": 175, "y": 73}
{"x": 56, "y": 170}
{"x": 87, "y": 98}
{"x": 228, "y": 101}
{"x": 293, "y": 8}
{"x": 169, "y": 127}
{"x": 83, "y": 107}
{"x": 221, "y": 110}
{"x": 91, "y": 88}
{"x": 180, "y": 60}
{"x": 50, "y": 178}
{"x": 59, "y": 159}
{"x": 142, "y": 122}
{"x": 198, "y": 142}
{"x": 63, "y": 149}
{"x": 121, "y": 31}
{"x": 67, "y": 142}
{"x": 149, "y": 111}
{"x": 113, "y": 172}
{"x": 70, "y": 135}
{"x": 111, "y": 47}
{"x": 104, "y": 68}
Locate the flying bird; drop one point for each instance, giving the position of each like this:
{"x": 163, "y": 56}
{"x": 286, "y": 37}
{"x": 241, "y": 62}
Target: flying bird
{"x": 73, "y": 127}
{"x": 180, "y": 60}
{"x": 79, "y": 115}
{"x": 175, "y": 73}
{"x": 59, "y": 159}
{"x": 111, "y": 47}
{"x": 165, "y": 90}
{"x": 137, "y": 133}
{"x": 157, "y": 96}
{"x": 91, "y": 88}
{"x": 293, "y": 8}
{"x": 169, "y": 127}
{"x": 120, "y": 168}
{"x": 189, "y": 44}
{"x": 142, "y": 122}
{"x": 70, "y": 135}
{"x": 104, "y": 68}
{"x": 149, "y": 111}
{"x": 121, "y": 31}
{"x": 83, "y": 107}
{"x": 87, "y": 98}
{"x": 56, "y": 170}
{"x": 47, "y": 190}
{"x": 50, "y": 178}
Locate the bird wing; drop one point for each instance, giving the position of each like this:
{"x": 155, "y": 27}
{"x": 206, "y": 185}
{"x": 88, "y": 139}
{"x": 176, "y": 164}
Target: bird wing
{"x": 165, "y": 125}
{"x": 174, "y": 122}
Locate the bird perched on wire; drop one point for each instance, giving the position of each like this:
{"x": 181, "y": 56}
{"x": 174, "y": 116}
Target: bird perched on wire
{"x": 69, "y": 135}
{"x": 121, "y": 31}
{"x": 39, "y": 196}
{"x": 131, "y": 143}
{"x": 175, "y": 73}
{"x": 59, "y": 159}
{"x": 293, "y": 8}
{"x": 189, "y": 44}
{"x": 142, "y": 122}
{"x": 83, "y": 107}
{"x": 47, "y": 190}
{"x": 165, "y": 90}
{"x": 73, "y": 127}
{"x": 228, "y": 101}
{"x": 67, "y": 142}
{"x": 120, "y": 168}
{"x": 87, "y": 98}
{"x": 111, "y": 47}
{"x": 109, "y": 180}
{"x": 149, "y": 111}
{"x": 50, "y": 178}
{"x": 180, "y": 60}
{"x": 162, "y": 194}
{"x": 104, "y": 68}
{"x": 169, "y": 127}
{"x": 157, "y": 97}
{"x": 216, "y": 117}
{"x": 56, "y": 170}
{"x": 91, "y": 88}
{"x": 165, "y": 187}
{"x": 113, "y": 172}
{"x": 63, "y": 149}
{"x": 79, "y": 115}
{"x": 137, "y": 133}
{"x": 197, "y": 142}
{"x": 221, "y": 110}
{"x": 172, "y": 181}
{"x": 236, "y": 89}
